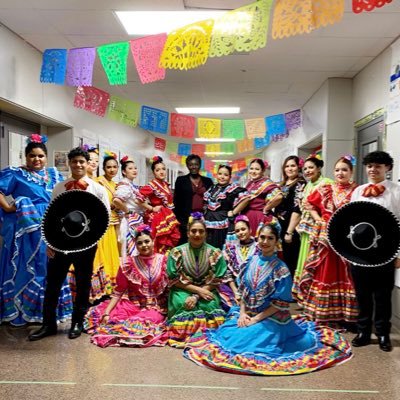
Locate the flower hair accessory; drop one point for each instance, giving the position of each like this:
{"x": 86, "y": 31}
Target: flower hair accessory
{"x": 266, "y": 164}
{"x": 90, "y": 149}
{"x": 36, "y": 138}
{"x": 109, "y": 153}
{"x": 270, "y": 221}
{"x": 314, "y": 155}
{"x": 157, "y": 159}
{"x": 140, "y": 229}
{"x": 196, "y": 216}
{"x": 125, "y": 159}
{"x": 301, "y": 162}
{"x": 351, "y": 158}
{"x": 242, "y": 218}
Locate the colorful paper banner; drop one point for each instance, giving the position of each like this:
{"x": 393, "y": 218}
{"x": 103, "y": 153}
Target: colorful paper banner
{"x": 172, "y": 147}
{"x": 146, "y": 52}
{"x": 159, "y": 143}
{"x": 209, "y": 128}
{"x": 54, "y": 66}
{"x": 123, "y": 110}
{"x": 114, "y": 59}
{"x": 187, "y": 47}
{"x": 183, "y": 125}
{"x": 92, "y": 99}
{"x": 80, "y": 66}
{"x": 293, "y": 120}
{"x": 255, "y": 128}
{"x": 276, "y": 127}
{"x": 184, "y": 149}
{"x": 233, "y": 128}
{"x": 368, "y": 5}
{"x": 198, "y": 149}
{"x": 154, "y": 119}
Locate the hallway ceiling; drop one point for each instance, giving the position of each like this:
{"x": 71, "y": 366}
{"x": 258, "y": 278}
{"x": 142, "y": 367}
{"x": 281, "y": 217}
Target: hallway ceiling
{"x": 276, "y": 79}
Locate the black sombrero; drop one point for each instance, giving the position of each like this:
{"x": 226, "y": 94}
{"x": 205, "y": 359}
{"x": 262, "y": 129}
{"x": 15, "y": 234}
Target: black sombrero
{"x": 365, "y": 234}
{"x": 74, "y": 221}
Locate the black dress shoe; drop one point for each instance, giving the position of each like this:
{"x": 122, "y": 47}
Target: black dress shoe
{"x": 362, "y": 339}
{"x": 42, "y": 332}
{"x": 384, "y": 343}
{"x": 75, "y": 331}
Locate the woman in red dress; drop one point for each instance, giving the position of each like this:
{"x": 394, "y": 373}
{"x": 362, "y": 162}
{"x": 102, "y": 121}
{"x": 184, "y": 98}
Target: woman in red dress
{"x": 156, "y": 197}
{"x": 326, "y": 286}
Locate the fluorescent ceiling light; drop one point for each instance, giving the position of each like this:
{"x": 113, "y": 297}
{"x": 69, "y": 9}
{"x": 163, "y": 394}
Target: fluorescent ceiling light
{"x": 218, "y": 153}
{"x": 208, "y": 110}
{"x": 222, "y": 161}
{"x": 153, "y": 22}
{"x": 215, "y": 139}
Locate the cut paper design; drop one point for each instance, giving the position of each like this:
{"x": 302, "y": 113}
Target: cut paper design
{"x": 154, "y": 119}
{"x": 188, "y": 47}
{"x": 255, "y": 128}
{"x": 293, "y": 120}
{"x": 124, "y": 110}
{"x": 183, "y": 160}
{"x": 92, "y": 99}
{"x": 159, "y": 143}
{"x": 80, "y": 66}
{"x": 198, "y": 149}
{"x": 183, "y": 125}
{"x": 213, "y": 148}
{"x": 233, "y": 128}
{"x": 241, "y": 164}
{"x": 368, "y": 5}
{"x": 114, "y": 59}
{"x": 243, "y": 29}
{"x": 209, "y": 128}
{"x": 175, "y": 157}
{"x": 292, "y": 17}
{"x": 172, "y": 147}
{"x": 244, "y": 145}
{"x": 184, "y": 149}
{"x": 54, "y": 66}
{"x": 208, "y": 165}
{"x": 276, "y": 127}
{"x": 228, "y": 147}
{"x": 327, "y": 12}
{"x": 146, "y": 52}
{"x": 262, "y": 142}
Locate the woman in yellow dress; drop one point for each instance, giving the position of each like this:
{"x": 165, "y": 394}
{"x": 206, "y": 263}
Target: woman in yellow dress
{"x": 106, "y": 262}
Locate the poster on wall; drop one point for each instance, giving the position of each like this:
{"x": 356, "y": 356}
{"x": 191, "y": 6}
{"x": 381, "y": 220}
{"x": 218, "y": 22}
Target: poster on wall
{"x": 60, "y": 161}
{"x": 393, "y": 107}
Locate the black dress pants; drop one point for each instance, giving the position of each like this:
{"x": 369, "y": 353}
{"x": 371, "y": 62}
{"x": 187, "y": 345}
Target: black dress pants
{"x": 374, "y": 287}
{"x": 57, "y": 270}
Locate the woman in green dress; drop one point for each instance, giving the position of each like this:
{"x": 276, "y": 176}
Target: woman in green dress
{"x": 195, "y": 271}
{"x": 312, "y": 172}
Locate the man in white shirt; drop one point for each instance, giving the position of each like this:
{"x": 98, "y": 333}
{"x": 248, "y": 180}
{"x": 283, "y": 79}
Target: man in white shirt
{"x": 59, "y": 263}
{"x": 374, "y": 285}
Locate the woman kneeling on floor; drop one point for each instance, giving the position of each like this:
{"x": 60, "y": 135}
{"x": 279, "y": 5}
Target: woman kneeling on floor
{"x": 260, "y": 337}
{"x": 138, "y": 320}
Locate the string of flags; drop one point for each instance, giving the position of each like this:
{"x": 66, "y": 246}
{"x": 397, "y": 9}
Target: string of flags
{"x": 244, "y": 29}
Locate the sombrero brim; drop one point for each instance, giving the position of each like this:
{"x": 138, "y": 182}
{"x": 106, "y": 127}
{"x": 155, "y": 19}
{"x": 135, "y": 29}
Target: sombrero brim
{"x": 90, "y": 205}
{"x": 384, "y": 221}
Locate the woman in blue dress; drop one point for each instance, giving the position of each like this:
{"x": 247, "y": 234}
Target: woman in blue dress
{"x": 260, "y": 337}
{"x": 23, "y": 262}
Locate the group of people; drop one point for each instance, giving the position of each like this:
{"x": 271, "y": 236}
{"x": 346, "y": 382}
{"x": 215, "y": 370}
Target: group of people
{"x": 211, "y": 268}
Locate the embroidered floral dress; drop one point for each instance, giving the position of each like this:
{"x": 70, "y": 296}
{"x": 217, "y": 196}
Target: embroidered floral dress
{"x": 164, "y": 225}
{"x": 106, "y": 261}
{"x": 236, "y": 255}
{"x": 326, "y": 288}
{"x": 188, "y": 265}
{"x": 260, "y": 192}
{"x": 128, "y": 193}
{"x": 277, "y": 345}
{"x": 139, "y": 318}
{"x": 304, "y": 229}
{"x": 218, "y": 201}
{"x": 23, "y": 264}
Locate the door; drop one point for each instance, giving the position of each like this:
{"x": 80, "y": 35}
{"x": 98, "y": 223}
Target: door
{"x": 369, "y": 138}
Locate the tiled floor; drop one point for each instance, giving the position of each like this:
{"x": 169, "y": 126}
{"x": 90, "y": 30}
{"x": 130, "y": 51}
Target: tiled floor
{"x": 59, "y": 368}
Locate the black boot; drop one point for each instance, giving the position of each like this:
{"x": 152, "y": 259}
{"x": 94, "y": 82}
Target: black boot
{"x": 76, "y": 330}
{"x": 43, "y": 331}
{"x": 362, "y": 339}
{"x": 384, "y": 343}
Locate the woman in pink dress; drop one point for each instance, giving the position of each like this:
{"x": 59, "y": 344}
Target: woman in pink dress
{"x": 139, "y": 319}
{"x": 264, "y": 195}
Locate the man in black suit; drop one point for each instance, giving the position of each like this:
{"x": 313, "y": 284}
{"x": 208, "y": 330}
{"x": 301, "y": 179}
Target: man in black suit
{"x": 188, "y": 194}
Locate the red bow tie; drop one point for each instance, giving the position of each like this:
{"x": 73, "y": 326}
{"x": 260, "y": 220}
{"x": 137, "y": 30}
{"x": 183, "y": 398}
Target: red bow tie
{"x": 76, "y": 184}
{"x": 373, "y": 190}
